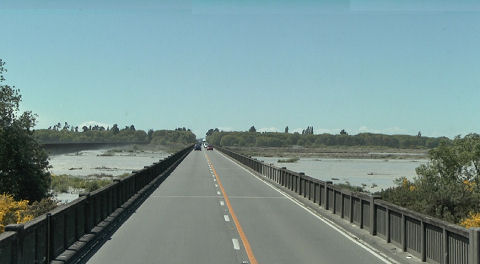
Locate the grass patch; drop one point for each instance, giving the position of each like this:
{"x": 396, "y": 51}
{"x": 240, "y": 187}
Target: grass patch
{"x": 352, "y": 188}
{"x": 63, "y": 183}
{"x": 290, "y": 160}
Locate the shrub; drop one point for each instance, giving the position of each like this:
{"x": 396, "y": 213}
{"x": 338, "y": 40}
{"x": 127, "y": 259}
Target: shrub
{"x": 473, "y": 220}
{"x": 448, "y": 187}
{"x": 13, "y": 212}
{"x": 38, "y": 208}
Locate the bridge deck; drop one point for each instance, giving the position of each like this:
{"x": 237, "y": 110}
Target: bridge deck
{"x": 186, "y": 220}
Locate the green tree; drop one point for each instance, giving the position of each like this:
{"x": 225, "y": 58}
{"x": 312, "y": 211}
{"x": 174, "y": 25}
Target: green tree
{"x": 286, "y": 129}
{"x": 229, "y": 140}
{"x": 115, "y": 129}
{"x": 252, "y": 129}
{"x": 448, "y": 187}
{"x": 23, "y": 162}
{"x": 209, "y": 132}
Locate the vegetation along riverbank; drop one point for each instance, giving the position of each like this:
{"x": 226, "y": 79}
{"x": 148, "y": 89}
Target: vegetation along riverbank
{"x": 26, "y": 183}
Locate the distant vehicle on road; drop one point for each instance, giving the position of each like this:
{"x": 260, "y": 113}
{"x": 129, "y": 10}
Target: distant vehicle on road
{"x": 198, "y": 147}
{"x": 209, "y": 147}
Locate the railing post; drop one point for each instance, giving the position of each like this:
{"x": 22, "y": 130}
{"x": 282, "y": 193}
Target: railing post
{"x": 403, "y": 233}
{"x": 86, "y": 213}
{"x": 318, "y": 193}
{"x": 301, "y": 190}
{"x": 387, "y": 225}
{"x": 423, "y": 248}
{"x": 326, "y": 194}
{"x": 18, "y": 252}
{"x": 296, "y": 184}
{"x": 48, "y": 247}
{"x": 445, "y": 245}
{"x": 334, "y": 201}
{"x": 342, "y": 214}
{"x": 361, "y": 213}
{"x": 373, "y": 218}
{"x": 474, "y": 245}
{"x": 284, "y": 177}
{"x": 116, "y": 196}
{"x": 351, "y": 208}
{"x": 310, "y": 196}
{"x": 272, "y": 173}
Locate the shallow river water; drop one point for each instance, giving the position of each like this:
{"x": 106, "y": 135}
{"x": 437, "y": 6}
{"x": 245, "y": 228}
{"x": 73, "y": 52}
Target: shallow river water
{"x": 370, "y": 172}
{"x": 90, "y": 162}
{"x": 100, "y": 162}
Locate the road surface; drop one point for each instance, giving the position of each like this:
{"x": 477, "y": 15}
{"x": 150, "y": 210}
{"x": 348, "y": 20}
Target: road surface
{"x": 211, "y": 210}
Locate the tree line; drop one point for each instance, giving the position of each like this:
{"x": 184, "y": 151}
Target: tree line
{"x": 308, "y": 139}
{"x": 100, "y": 134}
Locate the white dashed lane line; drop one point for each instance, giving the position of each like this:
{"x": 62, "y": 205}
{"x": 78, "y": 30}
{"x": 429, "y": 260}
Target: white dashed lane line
{"x": 222, "y": 203}
{"x": 227, "y": 219}
{"x": 330, "y": 223}
{"x": 236, "y": 245}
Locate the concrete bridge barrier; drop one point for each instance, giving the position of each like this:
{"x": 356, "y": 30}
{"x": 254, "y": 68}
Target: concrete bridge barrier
{"x": 67, "y": 233}
{"x": 428, "y": 238}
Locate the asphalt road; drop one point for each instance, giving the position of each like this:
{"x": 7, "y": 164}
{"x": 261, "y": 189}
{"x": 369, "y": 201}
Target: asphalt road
{"x": 189, "y": 219}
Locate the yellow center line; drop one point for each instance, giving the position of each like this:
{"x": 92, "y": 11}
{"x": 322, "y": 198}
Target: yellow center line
{"x": 242, "y": 235}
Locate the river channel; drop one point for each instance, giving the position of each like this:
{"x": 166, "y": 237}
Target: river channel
{"x": 375, "y": 174}
{"x": 101, "y": 163}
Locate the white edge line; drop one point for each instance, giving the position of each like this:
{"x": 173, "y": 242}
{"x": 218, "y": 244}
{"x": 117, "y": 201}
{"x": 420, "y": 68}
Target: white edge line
{"x": 236, "y": 245}
{"x": 337, "y": 228}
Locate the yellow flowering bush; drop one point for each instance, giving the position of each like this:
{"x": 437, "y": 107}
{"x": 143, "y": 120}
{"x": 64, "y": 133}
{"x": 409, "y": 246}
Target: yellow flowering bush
{"x": 473, "y": 220}
{"x": 408, "y": 185}
{"x": 405, "y": 182}
{"x": 469, "y": 185}
{"x": 13, "y": 212}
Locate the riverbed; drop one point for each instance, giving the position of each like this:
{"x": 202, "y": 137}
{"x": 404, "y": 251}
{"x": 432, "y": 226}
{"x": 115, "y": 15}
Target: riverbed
{"x": 100, "y": 163}
{"x": 103, "y": 161}
{"x": 373, "y": 174}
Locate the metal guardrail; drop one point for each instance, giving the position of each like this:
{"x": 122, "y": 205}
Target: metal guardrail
{"x": 67, "y": 233}
{"x": 428, "y": 238}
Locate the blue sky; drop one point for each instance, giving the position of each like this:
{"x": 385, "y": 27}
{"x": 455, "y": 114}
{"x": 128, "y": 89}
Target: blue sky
{"x": 363, "y": 66}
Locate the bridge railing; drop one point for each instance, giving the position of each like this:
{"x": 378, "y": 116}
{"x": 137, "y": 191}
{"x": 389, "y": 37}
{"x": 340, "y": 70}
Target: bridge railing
{"x": 69, "y": 231}
{"x": 425, "y": 237}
